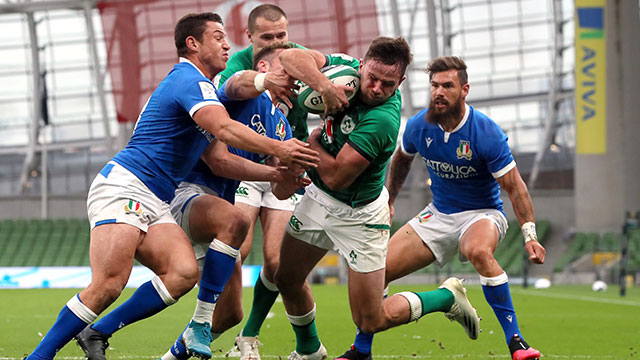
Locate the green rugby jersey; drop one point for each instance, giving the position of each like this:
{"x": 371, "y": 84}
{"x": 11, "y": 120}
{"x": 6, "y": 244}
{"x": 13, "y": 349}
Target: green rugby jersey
{"x": 243, "y": 60}
{"x": 372, "y": 131}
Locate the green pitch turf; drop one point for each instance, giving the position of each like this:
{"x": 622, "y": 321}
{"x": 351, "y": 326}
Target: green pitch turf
{"x": 564, "y": 322}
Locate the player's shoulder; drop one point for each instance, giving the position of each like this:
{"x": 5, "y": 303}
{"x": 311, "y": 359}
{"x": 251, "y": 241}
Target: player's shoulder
{"x": 418, "y": 121}
{"x": 482, "y": 122}
{"x": 390, "y": 109}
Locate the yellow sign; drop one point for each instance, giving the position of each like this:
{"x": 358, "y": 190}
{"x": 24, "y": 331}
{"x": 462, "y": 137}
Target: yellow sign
{"x": 591, "y": 81}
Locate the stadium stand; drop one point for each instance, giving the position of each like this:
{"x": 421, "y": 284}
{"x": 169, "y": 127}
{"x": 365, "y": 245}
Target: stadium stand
{"x": 65, "y": 242}
{"x": 44, "y": 242}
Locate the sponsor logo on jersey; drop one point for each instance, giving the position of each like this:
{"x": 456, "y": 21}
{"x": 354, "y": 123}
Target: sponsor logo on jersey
{"x": 449, "y": 171}
{"x": 353, "y": 256}
{"x": 133, "y": 207}
{"x": 347, "y": 125}
{"x": 464, "y": 150}
{"x": 208, "y": 91}
{"x": 242, "y": 191}
{"x": 280, "y": 130}
{"x": 257, "y": 125}
{"x": 295, "y": 223}
{"x": 428, "y": 140}
{"x": 424, "y": 216}
{"x": 207, "y": 134}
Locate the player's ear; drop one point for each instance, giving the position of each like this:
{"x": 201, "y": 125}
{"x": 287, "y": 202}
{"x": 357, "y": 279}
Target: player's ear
{"x": 465, "y": 89}
{"x": 263, "y": 66}
{"x": 401, "y": 80}
{"x": 192, "y": 43}
{"x": 246, "y": 31}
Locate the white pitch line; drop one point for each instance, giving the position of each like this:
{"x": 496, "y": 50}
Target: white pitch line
{"x": 542, "y": 293}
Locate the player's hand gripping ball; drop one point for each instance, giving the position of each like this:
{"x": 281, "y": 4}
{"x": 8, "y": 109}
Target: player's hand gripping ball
{"x": 311, "y": 100}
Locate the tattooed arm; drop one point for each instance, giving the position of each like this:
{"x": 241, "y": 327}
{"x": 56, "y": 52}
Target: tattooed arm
{"x": 523, "y": 208}
{"x": 400, "y": 166}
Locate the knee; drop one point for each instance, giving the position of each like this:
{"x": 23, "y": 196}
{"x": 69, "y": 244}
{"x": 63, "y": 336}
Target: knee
{"x": 270, "y": 266}
{"x": 480, "y": 255}
{"x": 285, "y": 282}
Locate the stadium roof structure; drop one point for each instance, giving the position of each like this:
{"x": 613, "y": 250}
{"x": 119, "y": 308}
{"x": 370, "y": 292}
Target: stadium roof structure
{"x": 59, "y": 95}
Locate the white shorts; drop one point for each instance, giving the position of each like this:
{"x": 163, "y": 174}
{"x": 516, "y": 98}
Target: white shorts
{"x": 360, "y": 235}
{"x": 118, "y": 196}
{"x": 442, "y": 232}
{"x": 180, "y": 209}
{"x": 258, "y": 194}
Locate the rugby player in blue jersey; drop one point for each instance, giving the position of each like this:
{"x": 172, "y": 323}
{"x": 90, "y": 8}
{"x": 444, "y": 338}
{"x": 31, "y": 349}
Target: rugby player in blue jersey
{"x": 469, "y": 160}
{"x": 199, "y": 203}
{"x": 128, "y": 202}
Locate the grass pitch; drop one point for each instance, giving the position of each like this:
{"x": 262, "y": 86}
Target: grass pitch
{"x": 564, "y": 322}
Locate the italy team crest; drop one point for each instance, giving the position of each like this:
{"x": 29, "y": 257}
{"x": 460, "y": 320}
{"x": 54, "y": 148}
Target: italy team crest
{"x": 424, "y": 216}
{"x": 280, "y": 130}
{"x": 464, "y": 150}
{"x": 133, "y": 207}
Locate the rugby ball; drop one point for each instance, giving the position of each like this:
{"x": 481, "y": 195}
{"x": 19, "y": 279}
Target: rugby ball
{"x": 311, "y": 100}
{"x": 599, "y": 285}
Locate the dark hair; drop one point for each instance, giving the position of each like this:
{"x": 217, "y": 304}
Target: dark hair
{"x": 267, "y": 53}
{"x": 192, "y": 25}
{"x": 390, "y": 51}
{"x": 445, "y": 63}
{"x": 267, "y": 11}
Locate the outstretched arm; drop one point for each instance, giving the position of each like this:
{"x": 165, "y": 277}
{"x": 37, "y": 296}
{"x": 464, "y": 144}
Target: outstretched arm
{"x": 400, "y": 166}
{"x": 523, "y": 207}
{"x": 251, "y": 84}
{"x": 216, "y": 120}
{"x": 225, "y": 164}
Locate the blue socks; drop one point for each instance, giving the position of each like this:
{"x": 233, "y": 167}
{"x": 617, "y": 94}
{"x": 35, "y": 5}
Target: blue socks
{"x": 496, "y": 291}
{"x": 219, "y": 263}
{"x": 149, "y": 299}
{"x": 363, "y": 342}
{"x": 73, "y": 317}
{"x": 218, "y": 267}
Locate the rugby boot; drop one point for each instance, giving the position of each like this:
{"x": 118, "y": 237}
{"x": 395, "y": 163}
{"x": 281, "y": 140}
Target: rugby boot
{"x": 520, "y": 350}
{"x": 462, "y": 311}
{"x": 197, "y": 339}
{"x": 93, "y": 343}
{"x": 353, "y": 354}
{"x": 320, "y": 354}
{"x": 248, "y": 347}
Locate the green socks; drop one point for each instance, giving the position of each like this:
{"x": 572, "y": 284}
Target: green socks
{"x": 436, "y": 300}
{"x": 263, "y": 299}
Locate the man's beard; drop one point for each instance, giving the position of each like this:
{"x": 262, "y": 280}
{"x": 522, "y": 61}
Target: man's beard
{"x": 447, "y": 119}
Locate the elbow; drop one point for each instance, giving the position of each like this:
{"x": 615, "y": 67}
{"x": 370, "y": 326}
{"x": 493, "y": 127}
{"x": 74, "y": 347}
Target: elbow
{"x": 334, "y": 184}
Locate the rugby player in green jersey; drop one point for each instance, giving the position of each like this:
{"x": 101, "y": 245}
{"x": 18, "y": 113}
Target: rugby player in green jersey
{"x": 346, "y": 207}
{"x": 267, "y": 25}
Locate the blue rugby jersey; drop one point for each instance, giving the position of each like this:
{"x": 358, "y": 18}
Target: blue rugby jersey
{"x": 166, "y": 142}
{"x": 260, "y": 115}
{"x": 462, "y": 164}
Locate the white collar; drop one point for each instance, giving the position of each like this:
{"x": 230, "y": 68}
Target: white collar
{"x": 461, "y": 123}
{"x": 185, "y": 60}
